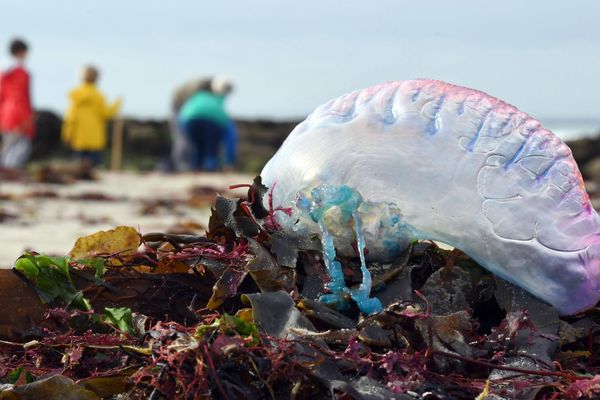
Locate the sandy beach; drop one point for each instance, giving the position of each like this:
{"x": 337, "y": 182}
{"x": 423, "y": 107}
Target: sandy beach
{"x": 48, "y": 218}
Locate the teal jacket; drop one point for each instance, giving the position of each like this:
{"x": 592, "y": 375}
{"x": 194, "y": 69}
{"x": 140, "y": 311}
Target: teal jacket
{"x": 205, "y": 105}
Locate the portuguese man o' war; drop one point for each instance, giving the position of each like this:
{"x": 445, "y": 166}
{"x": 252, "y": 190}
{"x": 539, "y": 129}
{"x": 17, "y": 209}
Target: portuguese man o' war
{"x": 423, "y": 159}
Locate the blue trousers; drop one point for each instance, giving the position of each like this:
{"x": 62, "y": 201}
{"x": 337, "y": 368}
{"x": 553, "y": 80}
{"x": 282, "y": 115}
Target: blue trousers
{"x": 205, "y": 137}
{"x": 231, "y": 144}
{"x": 93, "y": 157}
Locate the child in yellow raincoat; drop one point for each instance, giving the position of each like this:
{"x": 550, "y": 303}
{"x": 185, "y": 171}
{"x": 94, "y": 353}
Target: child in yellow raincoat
{"x": 84, "y": 126}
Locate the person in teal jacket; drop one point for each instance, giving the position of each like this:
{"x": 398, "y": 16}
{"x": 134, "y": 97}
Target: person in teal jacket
{"x": 205, "y": 122}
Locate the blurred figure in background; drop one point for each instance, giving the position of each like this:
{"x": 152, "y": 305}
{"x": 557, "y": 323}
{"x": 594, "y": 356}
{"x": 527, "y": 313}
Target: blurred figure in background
{"x": 84, "y": 125}
{"x": 16, "y": 113}
{"x": 208, "y": 128}
{"x": 181, "y": 151}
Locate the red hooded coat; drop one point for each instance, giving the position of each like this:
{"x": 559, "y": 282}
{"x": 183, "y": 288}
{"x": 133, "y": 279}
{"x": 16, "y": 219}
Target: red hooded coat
{"x": 16, "y": 114}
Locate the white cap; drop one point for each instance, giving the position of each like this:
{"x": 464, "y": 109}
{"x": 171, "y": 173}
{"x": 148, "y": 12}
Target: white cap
{"x": 221, "y": 85}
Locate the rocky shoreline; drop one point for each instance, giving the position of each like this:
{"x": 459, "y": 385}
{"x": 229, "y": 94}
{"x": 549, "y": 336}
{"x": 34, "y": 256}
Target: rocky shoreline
{"x": 258, "y": 140}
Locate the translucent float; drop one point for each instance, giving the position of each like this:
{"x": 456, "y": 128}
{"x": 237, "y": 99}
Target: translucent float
{"x": 424, "y": 159}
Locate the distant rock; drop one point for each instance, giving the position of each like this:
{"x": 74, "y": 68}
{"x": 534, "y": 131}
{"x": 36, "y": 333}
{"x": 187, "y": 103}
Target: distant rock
{"x": 586, "y": 152}
{"x": 147, "y": 142}
{"x": 591, "y": 170}
{"x": 47, "y": 140}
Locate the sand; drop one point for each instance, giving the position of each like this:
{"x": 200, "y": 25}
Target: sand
{"x": 50, "y": 222}
{"x": 52, "y": 225}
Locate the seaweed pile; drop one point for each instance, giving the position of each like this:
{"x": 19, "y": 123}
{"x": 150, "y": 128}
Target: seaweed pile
{"x": 233, "y": 314}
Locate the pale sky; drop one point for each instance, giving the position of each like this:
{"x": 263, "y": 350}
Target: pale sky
{"x": 287, "y": 57}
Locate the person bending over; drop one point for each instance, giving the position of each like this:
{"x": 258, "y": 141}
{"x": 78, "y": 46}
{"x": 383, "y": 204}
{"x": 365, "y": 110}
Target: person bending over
{"x": 207, "y": 126}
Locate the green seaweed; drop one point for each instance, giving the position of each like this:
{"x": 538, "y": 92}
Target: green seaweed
{"x": 52, "y": 280}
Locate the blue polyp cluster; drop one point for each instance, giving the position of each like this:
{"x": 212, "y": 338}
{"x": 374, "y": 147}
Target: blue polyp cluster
{"x": 324, "y": 198}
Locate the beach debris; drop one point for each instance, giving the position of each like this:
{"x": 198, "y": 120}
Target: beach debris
{"x": 92, "y": 196}
{"x": 7, "y": 215}
{"x": 54, "y": 387}
{"x": 63, "y": 174}
{"x": 235, "y": 313}
{"x": 426, "y": 159}
{"x": 201, "y": 196}
{"x": 157, "y": 206}
{"x": 52, "y": 279}
{"x": 121, "y": 242}
{"x": 186, "y": 226}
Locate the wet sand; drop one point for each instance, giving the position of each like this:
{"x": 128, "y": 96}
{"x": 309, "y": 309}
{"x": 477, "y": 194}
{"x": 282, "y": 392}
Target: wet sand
{"x": 48, "y": 218}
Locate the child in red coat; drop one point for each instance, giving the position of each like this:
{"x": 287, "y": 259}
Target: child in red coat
{"x": 16, "y": 113}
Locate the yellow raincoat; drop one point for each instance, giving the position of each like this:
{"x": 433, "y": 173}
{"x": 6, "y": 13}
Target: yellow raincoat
{"x": 84, "y": 126}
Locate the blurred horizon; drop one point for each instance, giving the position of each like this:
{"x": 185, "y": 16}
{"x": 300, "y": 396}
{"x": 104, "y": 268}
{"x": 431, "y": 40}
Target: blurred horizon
{"x": 287, "y": 58}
